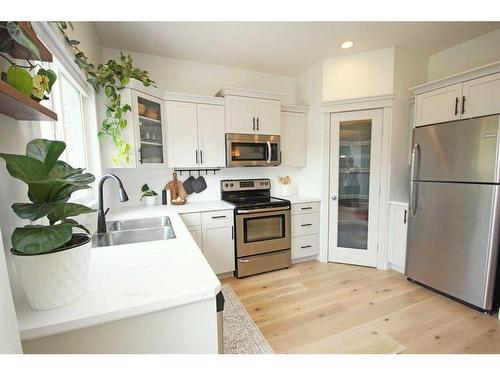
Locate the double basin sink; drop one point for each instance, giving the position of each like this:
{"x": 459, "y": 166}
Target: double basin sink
{"x": 121, "y": 232}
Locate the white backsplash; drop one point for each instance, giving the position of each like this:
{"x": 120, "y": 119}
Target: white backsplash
{"x": 157, "y": 178}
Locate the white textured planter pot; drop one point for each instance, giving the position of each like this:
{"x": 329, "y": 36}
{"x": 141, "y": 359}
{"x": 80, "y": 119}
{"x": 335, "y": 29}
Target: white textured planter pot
{"x": 56, "y": 279}
{"x": 150, "y": 201}
{"x": 287, "y": 190}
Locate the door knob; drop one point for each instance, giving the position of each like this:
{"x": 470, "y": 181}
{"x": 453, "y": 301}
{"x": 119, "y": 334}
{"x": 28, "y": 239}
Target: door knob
{"x": 334, "y": 197}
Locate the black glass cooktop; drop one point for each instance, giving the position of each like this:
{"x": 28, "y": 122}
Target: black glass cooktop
{"x": 255, "y": 201}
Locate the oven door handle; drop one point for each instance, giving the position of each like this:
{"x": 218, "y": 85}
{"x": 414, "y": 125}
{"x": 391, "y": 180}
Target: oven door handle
{"x": 257, "y": 210}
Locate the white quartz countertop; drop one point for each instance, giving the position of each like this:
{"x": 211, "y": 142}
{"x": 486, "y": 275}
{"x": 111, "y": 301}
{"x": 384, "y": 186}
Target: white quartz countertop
{"x": 295, "y": 199}
{"x": 133, "y": 279}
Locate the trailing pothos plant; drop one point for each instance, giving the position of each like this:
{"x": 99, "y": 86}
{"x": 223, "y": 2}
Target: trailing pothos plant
{"x": 111, "y": 77}
{"x": 50, "y": 185}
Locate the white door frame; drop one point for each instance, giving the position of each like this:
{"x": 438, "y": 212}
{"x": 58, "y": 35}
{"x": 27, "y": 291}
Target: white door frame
{"x": 384, "y": 102}
{"x": 366, "y": 257}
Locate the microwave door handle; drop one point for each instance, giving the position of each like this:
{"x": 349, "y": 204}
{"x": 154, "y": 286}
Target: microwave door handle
{"x": 268, "y": 152}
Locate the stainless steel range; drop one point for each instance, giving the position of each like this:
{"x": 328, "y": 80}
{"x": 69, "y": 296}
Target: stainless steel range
{"x": 262, "y": 222}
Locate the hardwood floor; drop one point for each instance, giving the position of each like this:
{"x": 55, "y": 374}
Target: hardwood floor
{"x": 316, "y": 307}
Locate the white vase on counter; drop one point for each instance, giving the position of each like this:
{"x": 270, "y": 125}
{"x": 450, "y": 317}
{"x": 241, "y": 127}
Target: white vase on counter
{"x": 287, "y": 190}
{"x": 149, "y": 201}
{"x": 55, "y": 279}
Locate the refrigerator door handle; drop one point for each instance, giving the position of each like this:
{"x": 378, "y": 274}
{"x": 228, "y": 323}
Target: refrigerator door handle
{"x": 413, "y": 194}
{"x": 415, "y": 149}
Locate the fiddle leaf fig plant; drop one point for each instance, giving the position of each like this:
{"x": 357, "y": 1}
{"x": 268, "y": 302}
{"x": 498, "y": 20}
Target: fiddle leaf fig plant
{"x": 50, "y": 184}
{"x": 111, "y": 78}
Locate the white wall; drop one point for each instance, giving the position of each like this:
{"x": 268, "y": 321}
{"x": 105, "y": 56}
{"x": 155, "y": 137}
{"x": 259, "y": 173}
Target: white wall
{"x": 410, "y": 69}
{"x": 205, "y": 79}
{"x": 473, "y": 53}
{"x": 359, "y": 75}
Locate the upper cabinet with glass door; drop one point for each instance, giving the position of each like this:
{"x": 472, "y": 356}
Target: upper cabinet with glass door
{"x": 149, "y": 123}
{"x": 145, "y": 132}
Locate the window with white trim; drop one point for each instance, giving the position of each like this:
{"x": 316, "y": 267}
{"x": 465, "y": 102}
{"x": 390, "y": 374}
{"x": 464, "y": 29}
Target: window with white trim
{"x": 66, "y": 99}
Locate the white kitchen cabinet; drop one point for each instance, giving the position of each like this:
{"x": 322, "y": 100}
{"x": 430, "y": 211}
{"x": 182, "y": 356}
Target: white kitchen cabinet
{"x": 251, "y": 111}
{"x": 398, "y": 226}
{"x": 268, "y": 113}
{"x": 218, "y": 249}
{"x": 197, "y": 235}
{"x": 240, "y": 115}
{"x": 211, "y": 140}
{"x": 145, "y": 132}
{"x": 182, "y": 121}
{"x": 471, "y": 94}
{"x": 305, "y": 230}
{"x": 195, "y": 135}
{"x": 218, "y": 240}
{"x": 481, "y": 96}
{"x": 213, "y": 232}
{"x": 293, "y": 139}
{"x": 439, "y": 105}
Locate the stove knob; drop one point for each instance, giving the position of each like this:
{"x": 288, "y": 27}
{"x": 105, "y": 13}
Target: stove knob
{"x": 261, "y": 183}
{"x": 231, "y": 184}
{"x": 267, "y": 183}
{"x": 226, "y": 185}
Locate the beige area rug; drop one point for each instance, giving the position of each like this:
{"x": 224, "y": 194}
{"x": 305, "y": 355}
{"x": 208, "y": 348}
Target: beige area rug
{"x": 241, "y": 335}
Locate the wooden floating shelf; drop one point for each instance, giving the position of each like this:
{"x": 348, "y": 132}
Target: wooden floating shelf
{"x": 15, "y": 104}
{"x": 20, "y": 52}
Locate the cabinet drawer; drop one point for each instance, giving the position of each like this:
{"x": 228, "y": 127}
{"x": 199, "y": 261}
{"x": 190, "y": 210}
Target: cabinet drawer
{"x": 305, "y": 246}
{"x": 215, "y": 219}
{"x": 305, "y": 208}
{"x": 191, "y": 219}
{"x": 305, "y": 224}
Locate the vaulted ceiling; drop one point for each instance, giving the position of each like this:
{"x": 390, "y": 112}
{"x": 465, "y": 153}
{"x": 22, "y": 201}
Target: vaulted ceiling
{"x": 286, "y": 48}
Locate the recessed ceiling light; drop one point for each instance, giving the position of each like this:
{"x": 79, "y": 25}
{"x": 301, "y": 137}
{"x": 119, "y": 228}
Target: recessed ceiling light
{"x": 347, "y": 44}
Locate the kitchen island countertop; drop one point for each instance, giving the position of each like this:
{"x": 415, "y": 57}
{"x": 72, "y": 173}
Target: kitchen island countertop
{"x": 133, "y": 279}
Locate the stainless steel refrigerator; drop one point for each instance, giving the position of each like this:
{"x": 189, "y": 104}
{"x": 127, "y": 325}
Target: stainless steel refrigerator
{"x": 454, "y": 221}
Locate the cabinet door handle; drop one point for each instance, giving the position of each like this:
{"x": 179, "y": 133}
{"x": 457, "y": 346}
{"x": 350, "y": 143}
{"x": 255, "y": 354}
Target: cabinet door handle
{"x": 232, "y": 232}
{"x": 201, "y": 156}
{"x": 257, "y": 124}
{"x": 253, "y": 122}
{"x": 219, "y": 217}
{"x": 305, "y": 247}
{"x": 463, "y": 105}
{"x": 456, "y": 106}
{"x": 140, "y": 155}
{"x": 306, "y": 208}
{"x": 305, "y": 225}
{"x": 196, "y": 156}
{"x": 405, "y": 217}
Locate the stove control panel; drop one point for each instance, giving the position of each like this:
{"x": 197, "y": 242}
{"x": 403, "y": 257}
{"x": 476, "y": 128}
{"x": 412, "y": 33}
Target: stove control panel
{"x": 247, "y": 184}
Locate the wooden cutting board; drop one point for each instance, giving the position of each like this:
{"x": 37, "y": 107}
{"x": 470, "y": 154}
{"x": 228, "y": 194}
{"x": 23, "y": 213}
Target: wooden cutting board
{"x": 176, "y": 190}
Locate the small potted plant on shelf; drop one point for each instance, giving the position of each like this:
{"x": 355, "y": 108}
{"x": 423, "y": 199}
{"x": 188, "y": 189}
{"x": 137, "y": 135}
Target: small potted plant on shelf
{"x": 51, "y": 260}
{"x": 148, "y": 195}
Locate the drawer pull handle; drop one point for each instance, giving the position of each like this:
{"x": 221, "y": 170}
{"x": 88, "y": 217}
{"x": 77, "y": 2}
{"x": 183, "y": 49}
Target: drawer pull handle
{"x": 305, "y": 247}
{"x": 219, "y": 217}
{"x": 306, "y": 208}
{"x": 305, "y": 225}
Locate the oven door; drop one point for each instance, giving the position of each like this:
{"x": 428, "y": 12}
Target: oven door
{"x": 252, "y": 150}
{"x": 260, "y": 231}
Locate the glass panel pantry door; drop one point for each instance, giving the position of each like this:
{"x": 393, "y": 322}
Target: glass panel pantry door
{"x": 150, "y": 130}
{"x": 355, "y": 147}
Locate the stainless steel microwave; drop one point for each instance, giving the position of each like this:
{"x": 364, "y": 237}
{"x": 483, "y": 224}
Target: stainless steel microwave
{"x": 252, "y": 150}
